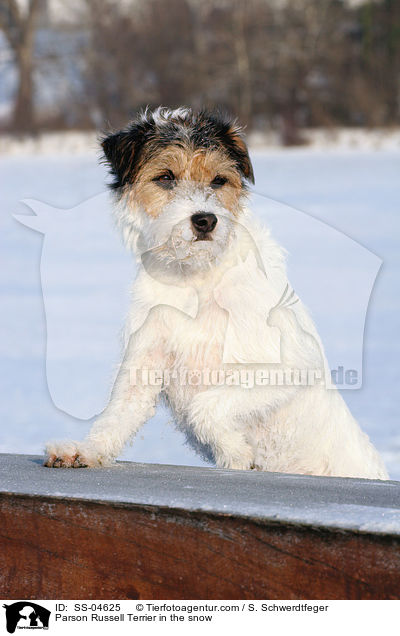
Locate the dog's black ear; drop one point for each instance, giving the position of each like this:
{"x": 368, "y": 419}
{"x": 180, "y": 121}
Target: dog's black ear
{"x": 219, "y": 124}
{"x": 239, "y": 152}
{"x": 119, "y": 152}
{"x": 111, "y": 145}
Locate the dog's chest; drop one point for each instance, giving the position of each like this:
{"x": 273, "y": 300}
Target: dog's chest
{"x": 198, "y": 343}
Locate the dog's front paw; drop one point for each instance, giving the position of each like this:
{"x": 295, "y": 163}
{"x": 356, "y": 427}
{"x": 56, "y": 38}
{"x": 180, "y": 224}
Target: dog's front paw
{"x": 238, "y": 455}
{"x": 71, "y": 454}
{"x": 62, "y": 460}
{"x": 242, "y": 463}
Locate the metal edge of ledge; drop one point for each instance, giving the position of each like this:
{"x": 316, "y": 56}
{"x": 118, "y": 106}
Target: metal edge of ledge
{"x": 325, "y": 503}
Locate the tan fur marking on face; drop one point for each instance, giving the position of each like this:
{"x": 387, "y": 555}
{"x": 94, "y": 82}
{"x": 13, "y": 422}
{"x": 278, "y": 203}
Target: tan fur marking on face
{"x": 187, "y": 165}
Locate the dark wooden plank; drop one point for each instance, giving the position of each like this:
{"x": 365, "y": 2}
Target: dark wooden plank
{"x": 54, "y": 548}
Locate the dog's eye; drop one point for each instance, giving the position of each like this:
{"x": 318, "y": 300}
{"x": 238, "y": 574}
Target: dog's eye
{"x": 168, "y": 176}
{"x": 218, "y": 181}
{"x": 166, "y": 179}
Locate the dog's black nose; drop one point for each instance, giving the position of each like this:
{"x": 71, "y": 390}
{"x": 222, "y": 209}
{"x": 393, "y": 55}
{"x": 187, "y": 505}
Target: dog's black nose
{"x": 204, "y": 222}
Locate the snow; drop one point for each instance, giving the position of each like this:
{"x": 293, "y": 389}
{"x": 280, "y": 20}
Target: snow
{"x": 333, "y": 139}
{"x": 50, "y": 144}
{"x": 350, "y": 189}
{"x": 316, "y": 140}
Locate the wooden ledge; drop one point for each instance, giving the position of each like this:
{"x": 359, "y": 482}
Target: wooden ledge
{"x": 180, "y": 532}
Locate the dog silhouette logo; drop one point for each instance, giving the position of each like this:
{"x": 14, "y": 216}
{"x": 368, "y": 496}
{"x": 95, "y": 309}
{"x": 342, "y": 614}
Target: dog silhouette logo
{"x": 26, "y": 615}
{"x": 86, "y": 274}
{"x": 77, "y": 290}
{"x": 265, "y": 346}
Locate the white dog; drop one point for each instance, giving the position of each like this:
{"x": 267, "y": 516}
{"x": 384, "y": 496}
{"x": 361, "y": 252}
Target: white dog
{"x": 214, "y": 326}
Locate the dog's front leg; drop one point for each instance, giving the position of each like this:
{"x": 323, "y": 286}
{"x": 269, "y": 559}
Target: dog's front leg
{"x": 132, "y": 403}
{"x": 212, "y": 418}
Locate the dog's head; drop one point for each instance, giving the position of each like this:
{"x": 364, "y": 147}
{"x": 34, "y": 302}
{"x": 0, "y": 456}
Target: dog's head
{"x": 180, "y": 179}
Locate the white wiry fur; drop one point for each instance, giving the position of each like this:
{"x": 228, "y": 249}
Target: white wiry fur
{"x": 187, "y": 301}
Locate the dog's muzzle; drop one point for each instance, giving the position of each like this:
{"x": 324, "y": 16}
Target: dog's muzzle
{"x": 203, "y": 224}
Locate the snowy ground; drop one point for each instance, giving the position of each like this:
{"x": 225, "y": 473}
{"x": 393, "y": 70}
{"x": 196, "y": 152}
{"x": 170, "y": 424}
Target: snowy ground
{"x": 317, "y": 140}
{"x": 354, "y": 191}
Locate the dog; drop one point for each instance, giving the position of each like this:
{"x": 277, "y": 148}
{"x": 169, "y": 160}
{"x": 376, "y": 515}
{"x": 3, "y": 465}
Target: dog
{"x": 214, "y": 327}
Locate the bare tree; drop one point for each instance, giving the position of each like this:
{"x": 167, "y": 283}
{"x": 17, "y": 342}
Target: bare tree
{"x": 285, "y": 64}
{"x": 18, "y": 26}
{"x": 243, "y": 64}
